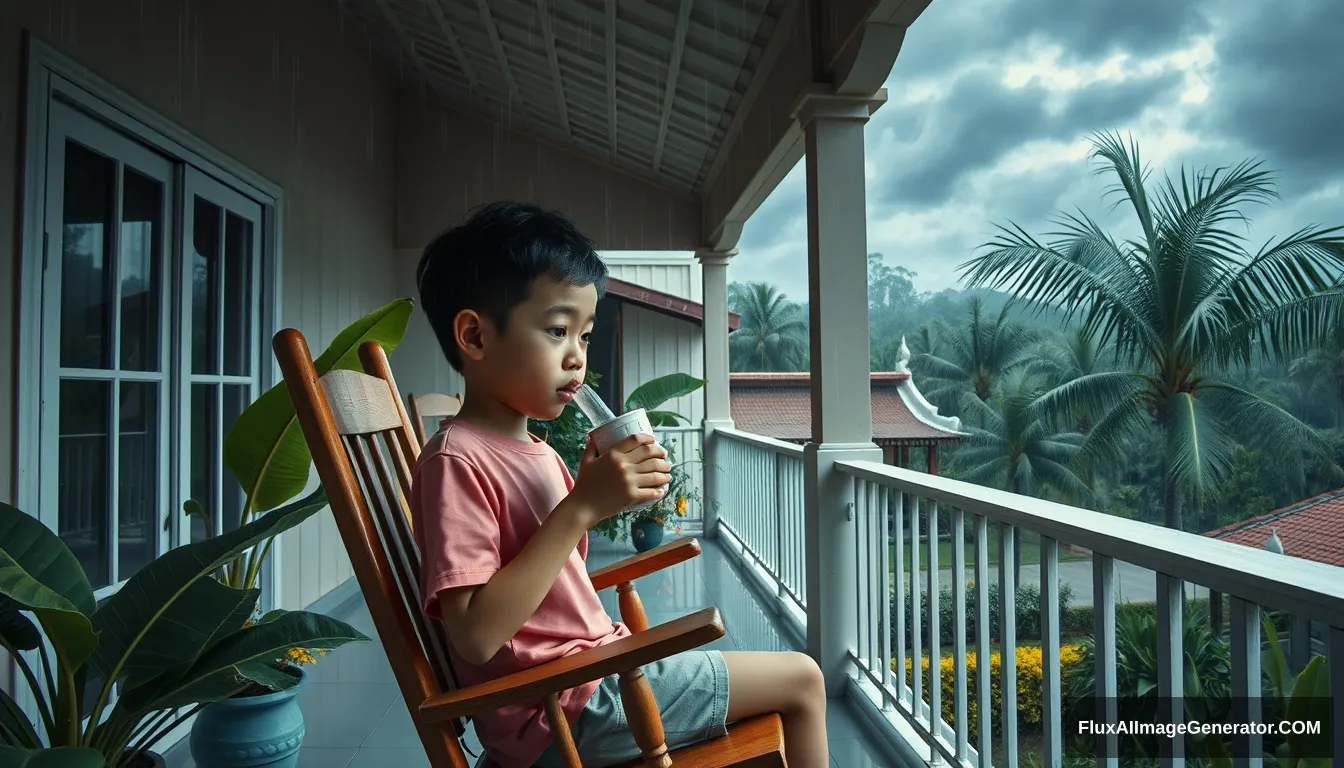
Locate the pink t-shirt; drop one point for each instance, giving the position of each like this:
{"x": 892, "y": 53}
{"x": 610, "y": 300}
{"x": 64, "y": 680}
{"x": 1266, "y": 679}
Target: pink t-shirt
{"x": 477, "y": 498}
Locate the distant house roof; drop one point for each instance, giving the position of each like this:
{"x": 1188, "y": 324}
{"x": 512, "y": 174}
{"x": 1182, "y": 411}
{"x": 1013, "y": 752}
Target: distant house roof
{"x": 1312, "y": 529}
{"x": 664, "y": 303}
{"x": 779, "y": 405}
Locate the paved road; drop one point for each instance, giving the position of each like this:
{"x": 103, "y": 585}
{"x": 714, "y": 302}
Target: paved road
{"x": 1133, "y": 584}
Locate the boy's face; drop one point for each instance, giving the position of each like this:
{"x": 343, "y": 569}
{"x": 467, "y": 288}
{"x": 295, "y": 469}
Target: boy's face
{"x": 536, "y": 364}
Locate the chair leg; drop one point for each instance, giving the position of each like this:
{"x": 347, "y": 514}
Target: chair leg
{"x": 641, "y": 710}
{"x": 560, "y": 734}
{"x": 632, "y": 608}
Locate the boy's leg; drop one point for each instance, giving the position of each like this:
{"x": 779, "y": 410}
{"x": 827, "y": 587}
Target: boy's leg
{"x": 790, "y": 684}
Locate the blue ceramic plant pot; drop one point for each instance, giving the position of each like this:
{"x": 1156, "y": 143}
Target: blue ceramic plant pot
{"x": 646, "y": 535}
{"x": 250, "y": 731}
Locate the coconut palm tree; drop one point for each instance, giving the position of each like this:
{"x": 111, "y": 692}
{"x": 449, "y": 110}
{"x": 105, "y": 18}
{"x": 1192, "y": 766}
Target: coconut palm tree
{"x": 1184, "y": 303}
{"x": 1072, "y": 356}
{"x": 772, "y": 335}
{"x": 1014, "y": 449}
{"x": 971, "y": 357}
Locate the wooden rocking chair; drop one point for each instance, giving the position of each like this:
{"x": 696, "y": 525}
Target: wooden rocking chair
{"x": 363, "y": 445}
{"x": 431, "y": 405}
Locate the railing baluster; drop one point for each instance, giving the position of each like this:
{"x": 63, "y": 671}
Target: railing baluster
{"x": 860, "y": 635}
{"x": 1103, "y": 643}
{"x": 916, "y": 611}
{"x": 898, "y": 599}
{"x": 1008, "y": 642}
{"x": 1171, "y": 661}
{"x": 1246, "y": 688}
{"x": 935, "y": 626}
{"x": 877, "y": 543}
{"x": 959, "y": 632}
{"x": 1335, "y": 660}
{"x": 983, "y": 703}
{"x": 1051, "y": 700}
{"x": 781, "y": 516}
{"x": 884, "y": 600}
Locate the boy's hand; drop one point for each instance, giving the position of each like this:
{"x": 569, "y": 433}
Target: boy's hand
{"x": 633, "y": 471}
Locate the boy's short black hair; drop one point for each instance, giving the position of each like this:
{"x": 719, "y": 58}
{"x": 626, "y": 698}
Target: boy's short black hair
{"x": 489, "y": 262}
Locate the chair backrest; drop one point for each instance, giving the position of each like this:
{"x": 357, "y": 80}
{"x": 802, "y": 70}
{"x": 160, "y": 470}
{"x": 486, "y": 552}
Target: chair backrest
{"x": 361, "y": 441}
{"x": 431, "y": 405}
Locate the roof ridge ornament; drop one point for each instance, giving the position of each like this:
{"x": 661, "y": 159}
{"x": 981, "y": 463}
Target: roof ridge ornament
{"x": 903, "y": 357}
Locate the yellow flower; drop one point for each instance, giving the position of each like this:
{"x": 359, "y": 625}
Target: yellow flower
{"x": 681, "y": 506}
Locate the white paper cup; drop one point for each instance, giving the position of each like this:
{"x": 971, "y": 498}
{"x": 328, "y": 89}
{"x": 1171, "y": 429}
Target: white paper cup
{"x": 610, "y": 433}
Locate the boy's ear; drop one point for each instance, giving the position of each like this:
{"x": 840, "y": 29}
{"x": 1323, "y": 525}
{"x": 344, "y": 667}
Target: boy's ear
{"x": 469, "y": 333}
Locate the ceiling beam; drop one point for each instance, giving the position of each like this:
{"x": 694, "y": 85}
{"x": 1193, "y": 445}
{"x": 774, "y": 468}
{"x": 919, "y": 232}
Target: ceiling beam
{"x": 436, "y": 11}
{"x": 611, "y": 77}
{"x": 488, "y": 19}
{"x": 406, "y": 42}
{"x": 548, "y": 33}
{"x": 673, "y": 71}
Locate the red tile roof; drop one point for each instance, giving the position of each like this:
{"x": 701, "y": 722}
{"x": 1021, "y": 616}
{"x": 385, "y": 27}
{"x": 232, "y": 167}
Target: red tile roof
{"x": 665, "y": 303}
{"x": 779, "y": 405}
{"x": 1312, "y": 529}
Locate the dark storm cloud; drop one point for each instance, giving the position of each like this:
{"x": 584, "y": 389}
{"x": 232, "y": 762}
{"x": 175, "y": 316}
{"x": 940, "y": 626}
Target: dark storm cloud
{"x": 1087, "y": 30}
{"x": 1277, "y": 88}
{"x": 980, "y": 120}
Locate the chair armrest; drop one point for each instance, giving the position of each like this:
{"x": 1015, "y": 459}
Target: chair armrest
{"x": 624, "y": 655}
{"x": 643, "y": 564}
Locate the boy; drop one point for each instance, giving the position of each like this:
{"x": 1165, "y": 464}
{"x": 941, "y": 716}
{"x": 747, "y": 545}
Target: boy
{"x": 502, "y": 527}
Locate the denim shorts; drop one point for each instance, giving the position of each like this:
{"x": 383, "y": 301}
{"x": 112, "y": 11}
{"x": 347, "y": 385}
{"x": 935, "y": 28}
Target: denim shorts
{"x": 691, "y": 689}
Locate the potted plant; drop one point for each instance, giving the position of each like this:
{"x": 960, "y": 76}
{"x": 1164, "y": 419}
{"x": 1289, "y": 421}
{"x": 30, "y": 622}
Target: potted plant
{"x": 645, "y": 527}
{"x": 262, "y": 724}
{"x": 171, "y": 640}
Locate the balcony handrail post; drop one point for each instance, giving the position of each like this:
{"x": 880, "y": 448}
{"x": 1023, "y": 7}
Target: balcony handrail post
{"x": 833, "y": 131}
{"x": 718, "y": 407}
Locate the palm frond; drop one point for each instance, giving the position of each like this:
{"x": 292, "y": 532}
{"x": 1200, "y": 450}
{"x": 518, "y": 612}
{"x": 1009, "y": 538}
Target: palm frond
{"x": 1124, "y": 420}
{"x": 1126, "y": 165}
{"x": 1199, "y": 446}
{"x": 1259, "y": 422}
{"x": 1092, "y": 394}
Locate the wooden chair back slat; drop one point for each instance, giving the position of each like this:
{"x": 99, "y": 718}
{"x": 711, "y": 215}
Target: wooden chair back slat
{"x": 371, "y": 527}
{"x": 431, "y": 405}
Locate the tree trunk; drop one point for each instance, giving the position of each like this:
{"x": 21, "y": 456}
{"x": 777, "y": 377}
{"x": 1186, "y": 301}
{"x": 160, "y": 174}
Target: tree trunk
{"x": 1171, "y": 504}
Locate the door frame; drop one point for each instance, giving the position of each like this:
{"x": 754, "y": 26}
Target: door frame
{"x": 51, "y": 75}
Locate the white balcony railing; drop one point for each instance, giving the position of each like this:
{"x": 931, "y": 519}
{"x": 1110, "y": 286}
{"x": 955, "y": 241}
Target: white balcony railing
{"x": 899, "y": 516}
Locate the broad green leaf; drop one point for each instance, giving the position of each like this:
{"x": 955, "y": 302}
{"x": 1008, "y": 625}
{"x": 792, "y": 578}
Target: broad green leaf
{"x": 40, "y": 574}
{"x": 17, "y": 630}
{"x": 216, "y": 674}
{"x": 42, "y": 554}
{"x": 1216, "y": 751}
{"x": 1310, "y": 701}
{"x": 133, "y": 615}
{"x": 265, "y": 448}
{"x": 60, "y": 757}
{"x": 15, "y": 729}
{"x": 651, "y": 394}
{"x": 192, "y": 508}
{"x": 666, "y": 418}
{"x": 1275, "y": 665}
{"x": 207, "y": 612}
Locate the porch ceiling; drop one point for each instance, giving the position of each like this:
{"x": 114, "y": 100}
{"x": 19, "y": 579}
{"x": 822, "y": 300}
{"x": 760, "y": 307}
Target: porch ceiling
{"x": 650, "y": 87}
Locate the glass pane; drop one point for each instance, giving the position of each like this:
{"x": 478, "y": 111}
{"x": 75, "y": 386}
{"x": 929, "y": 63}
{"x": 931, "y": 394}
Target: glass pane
{"x": 204, "y": 450}
{"x": 87, "y": 274}
{"x": 138, "y": 516}
{"x": 141, "y": 244}
{"x": 84, "y": 456}
{"x": 205, "y": 287}
{"x": 237, "y": 296}
{"x": 236, "y": 399}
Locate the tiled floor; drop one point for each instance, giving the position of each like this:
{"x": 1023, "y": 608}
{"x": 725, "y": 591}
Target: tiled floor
{"x": 355, "y": 717}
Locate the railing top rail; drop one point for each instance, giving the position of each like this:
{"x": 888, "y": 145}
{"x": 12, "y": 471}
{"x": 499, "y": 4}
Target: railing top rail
{"x": 1315, "y": 590}
{"x": 768, "y": 443}
{"x": 679, "y": 428}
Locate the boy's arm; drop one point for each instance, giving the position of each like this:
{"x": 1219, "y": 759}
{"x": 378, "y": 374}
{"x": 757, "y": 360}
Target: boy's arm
{"x": 480, "y": 619}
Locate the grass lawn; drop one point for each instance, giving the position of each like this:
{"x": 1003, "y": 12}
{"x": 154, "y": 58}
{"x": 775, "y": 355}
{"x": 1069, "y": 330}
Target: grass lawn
{"x": 1031, "y": 555}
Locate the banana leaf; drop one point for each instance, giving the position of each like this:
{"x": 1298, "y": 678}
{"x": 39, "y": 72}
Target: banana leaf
{"x": 131, "y": 623}
{"x": 41, "y": 574}
{"x": 206, "y": 613}
{"x": 17, "y": 630}
{"x": 60, "y": 757}
{"x": 265, "y": 448}
{"x": 1309, "y": 702}
{"x": 15, "y": 730}
{"x": 243, "y": 657}
{"x": 652, "y": 394}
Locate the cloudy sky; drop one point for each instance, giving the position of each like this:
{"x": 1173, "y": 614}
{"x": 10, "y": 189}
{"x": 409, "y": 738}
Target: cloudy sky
{"x": 991, "y": 102}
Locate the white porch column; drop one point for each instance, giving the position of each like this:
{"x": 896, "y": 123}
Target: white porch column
{"x": 837, "y": 263}
{"x": 718, "y": 411}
